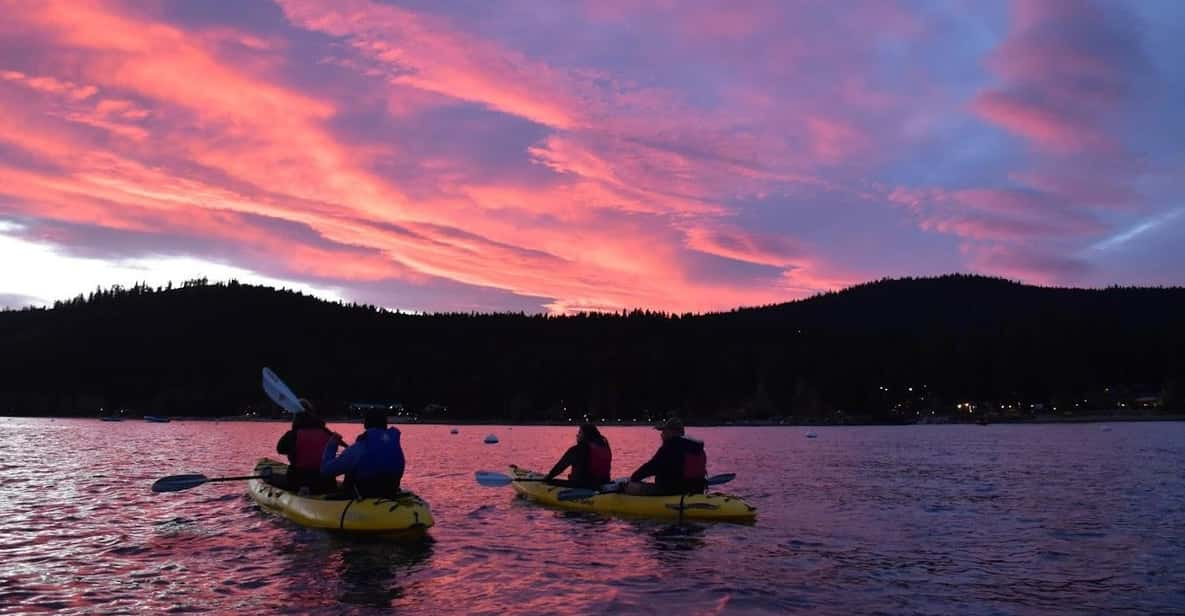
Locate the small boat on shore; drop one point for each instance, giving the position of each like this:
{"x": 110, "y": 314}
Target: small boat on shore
{"x": 490, "y": 439}
{"x": 111, "y": 419}
{"x": 156, "y": 419}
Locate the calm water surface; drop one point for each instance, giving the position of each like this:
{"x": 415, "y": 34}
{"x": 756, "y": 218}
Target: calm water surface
{"x": 897, "y": 520}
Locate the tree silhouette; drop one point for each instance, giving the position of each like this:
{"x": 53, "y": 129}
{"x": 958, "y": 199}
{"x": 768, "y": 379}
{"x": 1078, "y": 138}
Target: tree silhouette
{"x": 890, "y": 350}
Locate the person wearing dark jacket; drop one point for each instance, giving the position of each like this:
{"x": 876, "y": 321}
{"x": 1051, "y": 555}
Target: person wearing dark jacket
{"x": 303, "y": 445}
{"x": 680, "y": 465}
{"x": 590, "y": 459}
{"x": 373, "y": 465}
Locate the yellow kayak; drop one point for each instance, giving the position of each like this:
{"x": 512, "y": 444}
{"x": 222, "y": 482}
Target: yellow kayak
{"x": 407, "y": 513}
{"x": 711, "y": 506}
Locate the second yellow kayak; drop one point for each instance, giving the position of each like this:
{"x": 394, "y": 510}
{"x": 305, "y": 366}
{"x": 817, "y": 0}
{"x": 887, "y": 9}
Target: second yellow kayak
{"x": 712, "y": 506}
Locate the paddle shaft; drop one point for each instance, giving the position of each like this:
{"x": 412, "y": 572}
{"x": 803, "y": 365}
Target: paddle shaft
{"x": 178, "y": 483}
{"x": 582, "y": 493}
{"x": 213, "y": 479}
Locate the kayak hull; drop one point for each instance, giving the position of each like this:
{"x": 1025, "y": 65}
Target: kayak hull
{"x": 406, "y": 514}
{"x": 711, "y": 506}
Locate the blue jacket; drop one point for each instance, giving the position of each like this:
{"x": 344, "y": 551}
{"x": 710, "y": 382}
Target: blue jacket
{"x": 376, "y": 453}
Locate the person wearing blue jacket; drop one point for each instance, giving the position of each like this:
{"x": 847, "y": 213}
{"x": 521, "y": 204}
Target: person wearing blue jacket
{"x": 373, "y": 465}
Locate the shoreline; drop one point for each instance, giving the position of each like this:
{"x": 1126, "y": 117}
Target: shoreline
{"x": 1168, "y": 417}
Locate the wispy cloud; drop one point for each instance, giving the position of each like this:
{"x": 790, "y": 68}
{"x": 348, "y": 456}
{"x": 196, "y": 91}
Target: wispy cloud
{"x": 1119, "y": 239}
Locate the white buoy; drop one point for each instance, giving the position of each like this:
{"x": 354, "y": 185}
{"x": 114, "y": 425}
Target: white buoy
{"x": 453, "y": 431}
{"x": 811, "y": 435}
{"x": 490, "y": 439}
{"x": 1106, "y": 428}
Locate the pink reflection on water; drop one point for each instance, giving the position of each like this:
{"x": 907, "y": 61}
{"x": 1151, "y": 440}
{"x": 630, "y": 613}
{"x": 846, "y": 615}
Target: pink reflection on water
{"x": 925, "y": 519}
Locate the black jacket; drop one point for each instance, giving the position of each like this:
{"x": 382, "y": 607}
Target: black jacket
{"x": 577, "y": 457}
{"x": 667, "y": 467}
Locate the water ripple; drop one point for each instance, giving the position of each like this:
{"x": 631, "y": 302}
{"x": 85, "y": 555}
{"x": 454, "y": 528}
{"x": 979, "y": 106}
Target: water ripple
{"x": 924, "y": 520}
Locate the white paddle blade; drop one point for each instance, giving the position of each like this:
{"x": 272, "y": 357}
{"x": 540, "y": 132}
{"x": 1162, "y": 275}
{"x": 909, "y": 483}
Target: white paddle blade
{"x": 279, "y": 392}
{"x": 492, "y": 479}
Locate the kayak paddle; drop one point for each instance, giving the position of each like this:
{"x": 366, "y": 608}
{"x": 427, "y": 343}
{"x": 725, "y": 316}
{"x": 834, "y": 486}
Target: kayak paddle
{"x": 609, "y": 488}
{"x": 176, "y": 483}
{"x": 716, "y": 480}
{"x": 279, "y": 392}
{"x": 494, "y": 479}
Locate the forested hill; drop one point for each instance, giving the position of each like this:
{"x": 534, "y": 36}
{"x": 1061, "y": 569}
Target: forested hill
{"x": 885, "y": 351}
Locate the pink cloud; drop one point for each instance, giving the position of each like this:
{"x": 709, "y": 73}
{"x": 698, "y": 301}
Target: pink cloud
{"x": 996, "y": 214}
{"x": 1066, "y": 75}
{"x": 1049, "y": 127}
{"x": 1030, "y": 264}
{"x": 735, "y": 243}
{"x": 410, "y": 145}
{"x": 1066, "y": 72}
{"x": 50, "y": 85}
{"x": 835, "y": 140}
{"x": 426, "y": 53}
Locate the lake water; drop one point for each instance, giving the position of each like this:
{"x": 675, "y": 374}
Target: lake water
{"x": 1001, "y": 519}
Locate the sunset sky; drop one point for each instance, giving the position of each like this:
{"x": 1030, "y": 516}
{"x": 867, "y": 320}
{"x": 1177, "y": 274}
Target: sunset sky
{"x": 597, "y": 155}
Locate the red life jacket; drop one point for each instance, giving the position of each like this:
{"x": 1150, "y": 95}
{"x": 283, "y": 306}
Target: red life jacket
{"x": 600, "y": 461}
{"x": 310, "y": 446}
{"x": 695, "y": 465}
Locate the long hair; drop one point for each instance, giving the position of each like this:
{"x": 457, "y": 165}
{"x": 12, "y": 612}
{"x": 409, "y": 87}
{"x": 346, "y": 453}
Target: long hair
{"x": 591, "y": 433}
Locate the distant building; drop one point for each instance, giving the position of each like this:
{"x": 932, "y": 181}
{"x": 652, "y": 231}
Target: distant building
{"x": 1148, "y": 402}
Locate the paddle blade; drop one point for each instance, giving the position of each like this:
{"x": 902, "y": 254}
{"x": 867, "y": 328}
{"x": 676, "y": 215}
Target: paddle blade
{"x": 176, "y": 483}
{"x": 279, "y": 392}
{"x": 492, "y": 479}
{"x": 716, "y": 480}
{"x": 575, "y": 494}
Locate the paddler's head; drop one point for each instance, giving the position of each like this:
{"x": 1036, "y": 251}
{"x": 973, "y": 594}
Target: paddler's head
{"x": 375, "y": 418}
{"x": 589, "y": 433}
{"x": 672, "y": 427}
{"x": 307, "y": 420}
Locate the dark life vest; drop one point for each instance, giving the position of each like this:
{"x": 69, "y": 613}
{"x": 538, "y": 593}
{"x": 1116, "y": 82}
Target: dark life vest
{"x": 598, "y": 462}
{"x": 693, "y": 469}
{"x": 695, "y": 464}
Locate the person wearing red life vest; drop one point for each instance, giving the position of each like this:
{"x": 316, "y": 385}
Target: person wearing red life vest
{"x": 304, "y": 444}
{"x": 590, "y": 459}
{"x": 680, "y": 465}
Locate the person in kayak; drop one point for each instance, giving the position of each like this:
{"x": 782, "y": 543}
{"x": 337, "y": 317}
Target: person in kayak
{"x": 590, "y": 459}
{"x": 680, "y": 465}
{"x": 373, "y": 465}
{"x": 303, "y": 444}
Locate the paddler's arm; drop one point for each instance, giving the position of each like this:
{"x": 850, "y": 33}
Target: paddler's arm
{"x": 566, "y": 461}
{"x": 648, "y": 469}
{"x": 285, "y": 446}
{"x": 333, "y": 465}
